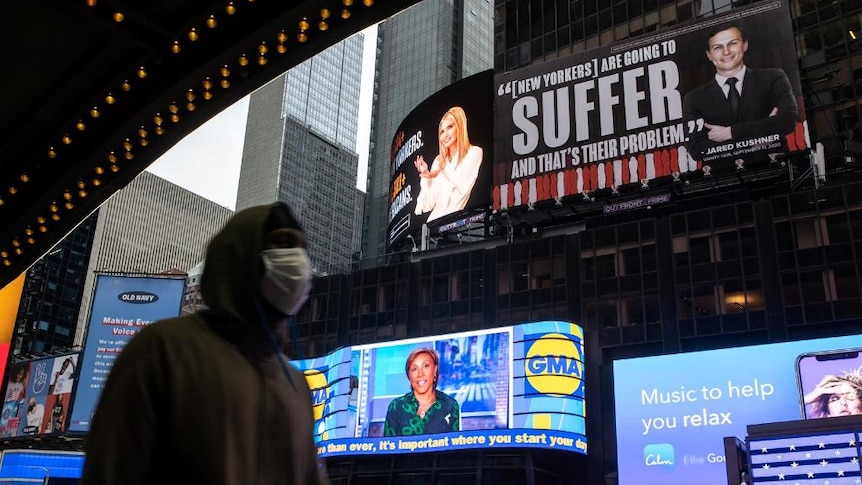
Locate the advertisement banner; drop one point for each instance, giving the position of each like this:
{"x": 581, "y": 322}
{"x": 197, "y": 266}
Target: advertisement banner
{"x": 673, "y": 411}
{"x": 122, "y": 305}
{"x": 38, "y": 396}
{"x": 650, "y": 107}
{"x": 440, "y": 163}
{"x": 518, "y": 386}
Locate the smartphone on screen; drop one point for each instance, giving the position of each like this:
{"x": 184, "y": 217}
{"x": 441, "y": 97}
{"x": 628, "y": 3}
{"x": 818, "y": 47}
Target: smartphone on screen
{"x": 830, "y": 383}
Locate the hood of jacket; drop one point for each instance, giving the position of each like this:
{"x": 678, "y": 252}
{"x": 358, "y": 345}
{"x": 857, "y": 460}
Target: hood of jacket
{"x": 230, "y": 283}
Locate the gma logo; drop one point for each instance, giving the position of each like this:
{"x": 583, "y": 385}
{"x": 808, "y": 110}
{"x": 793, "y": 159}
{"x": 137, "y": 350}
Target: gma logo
{"x": 319, "y": 391}
{"x": 554, "y": 365}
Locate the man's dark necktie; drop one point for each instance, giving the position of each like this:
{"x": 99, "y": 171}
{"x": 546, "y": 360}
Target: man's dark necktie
{"x": 733, "y": 95}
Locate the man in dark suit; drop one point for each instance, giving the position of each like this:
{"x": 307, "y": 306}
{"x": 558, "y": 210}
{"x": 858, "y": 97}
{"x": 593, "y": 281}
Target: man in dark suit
{"x": 740, "y": 106}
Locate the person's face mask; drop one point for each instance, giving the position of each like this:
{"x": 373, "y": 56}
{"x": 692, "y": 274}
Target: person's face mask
{"x": 286, "y": 281}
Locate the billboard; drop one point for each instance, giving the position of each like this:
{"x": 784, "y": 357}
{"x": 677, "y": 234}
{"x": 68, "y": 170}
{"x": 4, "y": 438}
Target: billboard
{"x": 38, "y": 396}
{"x": 519, "y": 386}
{"x": 650, "y": 107}
{"x": 673, "y": 411}
{"x": 440, "y": 161}
{"x": 122, "y": 305}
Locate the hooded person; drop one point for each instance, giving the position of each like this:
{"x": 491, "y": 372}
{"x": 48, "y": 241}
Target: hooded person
{"x": 210, "y": 398}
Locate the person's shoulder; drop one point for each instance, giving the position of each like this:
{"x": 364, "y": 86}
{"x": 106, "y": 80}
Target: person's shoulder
{"x": 168, "y": 331}
{"x": 699, "y": 90}
{"x": 168, "y": 326}
{"x": 765, "y": 72}
{"x": 298, "y": 377}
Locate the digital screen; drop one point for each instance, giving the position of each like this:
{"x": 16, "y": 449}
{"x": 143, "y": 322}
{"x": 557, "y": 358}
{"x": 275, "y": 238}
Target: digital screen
{"x": 830, "y": 383}
{"x": 41, "y": 466}
{"x": 673, "y": 411}
{"x": 650, "y": 107}
{"x": 122, "y": 306}
{"x": 441, "y": 157}
{"x": 38, "y": 396}
{"x": 519, "y": 386}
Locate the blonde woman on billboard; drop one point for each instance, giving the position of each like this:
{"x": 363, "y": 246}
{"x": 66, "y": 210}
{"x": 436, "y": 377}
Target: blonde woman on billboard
{"x": 446, "y": 185}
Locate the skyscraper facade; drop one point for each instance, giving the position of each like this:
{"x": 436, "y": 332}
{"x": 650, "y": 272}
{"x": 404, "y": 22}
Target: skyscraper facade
{"x": 51, "y": 298}
{"x": 151, "y": 226}
{"x": 419, "y": 51}
{"x": 300, "y": 147}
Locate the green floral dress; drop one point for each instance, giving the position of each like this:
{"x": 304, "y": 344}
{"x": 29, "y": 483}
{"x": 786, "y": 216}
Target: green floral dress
{"x": 402, "y": 418}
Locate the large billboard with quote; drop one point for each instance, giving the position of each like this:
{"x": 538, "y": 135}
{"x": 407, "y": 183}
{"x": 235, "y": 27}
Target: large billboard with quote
{"x": 122, "y": 306}
{"x": 651, "y": 107}
{"x": 673, "y": 411}
{"x": 508, "y": 387}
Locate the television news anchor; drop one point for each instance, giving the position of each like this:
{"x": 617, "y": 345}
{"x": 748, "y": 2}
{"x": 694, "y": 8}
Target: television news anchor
{"x": 423, "y": 410}
{"x": 740, "y": 102}
{"x": 210, "y": 398}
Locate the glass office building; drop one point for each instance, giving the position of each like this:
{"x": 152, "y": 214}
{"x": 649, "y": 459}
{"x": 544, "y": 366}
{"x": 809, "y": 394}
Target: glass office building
{"x": 128, "y": 234}
{"x": 300, "y": 147}
{"x": 53, "y": 289}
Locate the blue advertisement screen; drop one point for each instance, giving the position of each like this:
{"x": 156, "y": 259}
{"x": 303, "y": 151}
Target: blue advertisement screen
{"x": 40, "y": 466}
{"x": 518, "y": 386}
{"x": 122, "y": 306}
{"x": 672, "y": 411}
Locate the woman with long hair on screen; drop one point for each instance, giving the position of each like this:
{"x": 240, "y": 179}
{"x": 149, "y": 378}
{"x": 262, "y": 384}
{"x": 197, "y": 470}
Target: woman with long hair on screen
{"x": 836, "y": 395}
{"x": 17, "y": 383}
{"x": 445, "y": 186}
{"x": 423, "y": 410}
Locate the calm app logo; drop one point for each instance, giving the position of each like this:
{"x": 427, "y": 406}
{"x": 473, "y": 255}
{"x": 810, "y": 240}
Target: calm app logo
{"x": 660, "y": 455}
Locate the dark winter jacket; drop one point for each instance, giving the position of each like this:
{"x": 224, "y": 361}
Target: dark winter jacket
{"x": 203, "y": 399}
